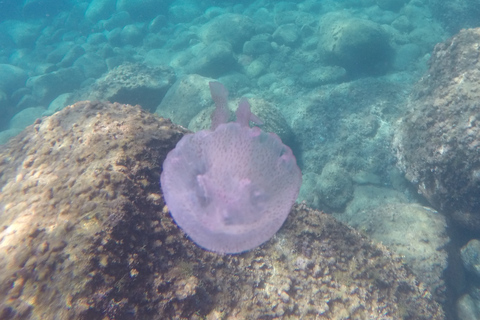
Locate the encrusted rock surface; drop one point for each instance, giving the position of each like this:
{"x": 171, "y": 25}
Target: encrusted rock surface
{"x": 437, "y": 142}
{"x": 84, "y": 234}
{"x": 131, "y": 83}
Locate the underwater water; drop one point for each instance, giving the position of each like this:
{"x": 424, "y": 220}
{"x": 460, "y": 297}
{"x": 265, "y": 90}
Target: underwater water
{"x": 374, "y": 98}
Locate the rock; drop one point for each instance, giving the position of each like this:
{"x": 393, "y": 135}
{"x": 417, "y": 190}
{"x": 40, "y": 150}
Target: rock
{"x": 468, "y": 306}
{"x": 114, "y": 37}
{"x": 117, "y": 20}
{"x": 183, "y": 11}
{"x": 6, "y": 110}
{"x": 131, "y": 35}
{"x": 287, "y": 34}
{"x": 448, "y": 13}
{"x": 360, "y": 46}
{"x": 236, "y": 82}
{"x": 131, "y": 83}
{"x": 6, "y": 135}
{"x": 12, "y": 78}
{"x": 100, "y": 9}
{"x": 322, "y": 75}
{"x": 58, "y": 103}
{"x": 185, "y": 99}
{"x": 157, "y": 24}
{"x": 96, "y": 38}
{"x": 93, "y": 233}
{"x": 214, "y": 60}
{"x": 22, "y": 34}
{"x": 417, "y": 233}
{"x": 48, "y": 86}
{"x": 330, "y": 190}
{"x": 255, "y": 69}
{"x": 60, "y": 51}
{"x": 267, "y": 80}
{"x": 71, "y": 56}
{"x": 470, "y": 254}
{"x": 407, "y": 56}
{"x": 25, "y": 118}
{"x": 257, "y": 47}
{"x": 27, "y": 101}
{"x": 229, "y": 27}
{"x": 437, "y": 141}
{"x": 91, "y": 65}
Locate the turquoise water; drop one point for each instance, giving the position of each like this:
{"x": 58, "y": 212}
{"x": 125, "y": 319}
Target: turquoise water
{"x": 337, "y": 75}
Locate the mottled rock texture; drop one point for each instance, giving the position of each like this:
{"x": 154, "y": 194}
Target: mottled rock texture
{"x": 131, "y": 83}
{"x": 438, "y": 142}
{"x": 84, "y": 234}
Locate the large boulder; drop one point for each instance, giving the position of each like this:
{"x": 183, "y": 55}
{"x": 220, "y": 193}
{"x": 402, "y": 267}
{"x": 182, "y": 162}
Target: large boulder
{"x": 360, "y": 46}
{"x": 437, "y": 142}
{"x": 85, "y": 234}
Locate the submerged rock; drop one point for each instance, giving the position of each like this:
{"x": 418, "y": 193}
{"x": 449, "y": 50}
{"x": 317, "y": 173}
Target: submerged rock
{"x": 437, "y": 142}
{"x": 360, "y": 46}
{"x": 85, "y": 234}
{"x": 132, "y": 83}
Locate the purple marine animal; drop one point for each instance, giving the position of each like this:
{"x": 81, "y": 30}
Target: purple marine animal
{"x": 230, "y": 188}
